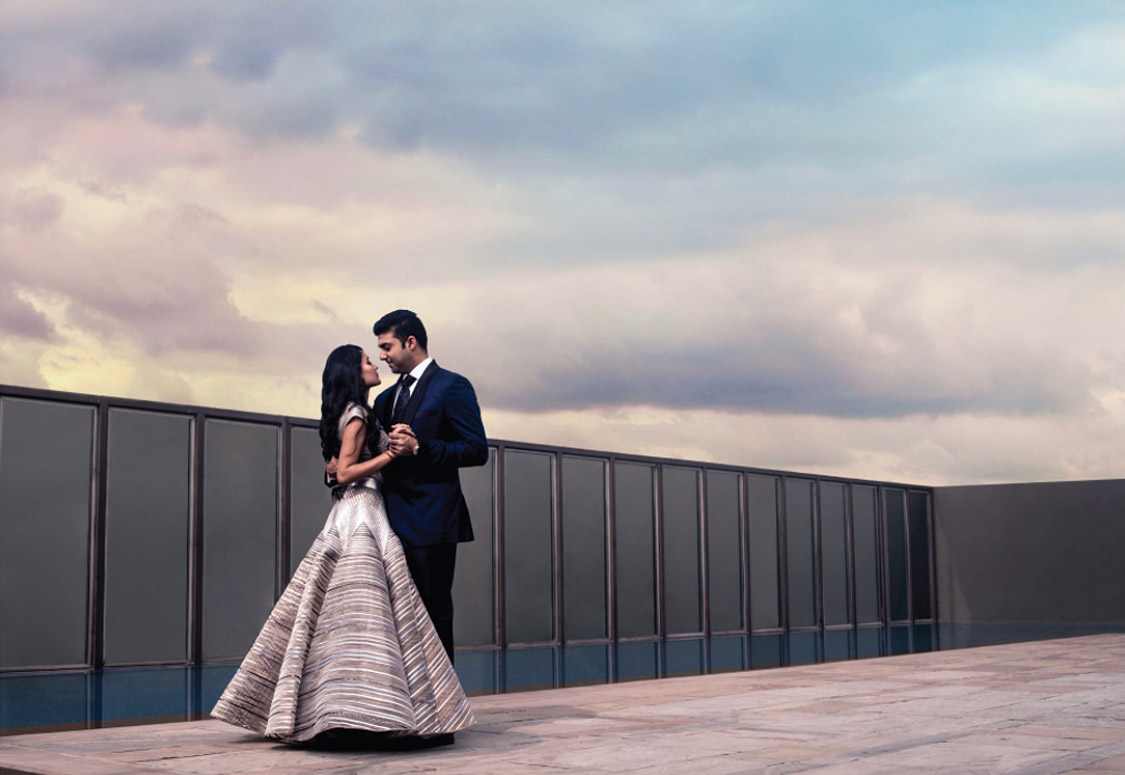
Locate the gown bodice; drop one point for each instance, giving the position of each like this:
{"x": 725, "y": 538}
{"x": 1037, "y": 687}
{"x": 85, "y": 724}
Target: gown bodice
{"x": 347, "y": 520}
{"x": 376, "y": 441}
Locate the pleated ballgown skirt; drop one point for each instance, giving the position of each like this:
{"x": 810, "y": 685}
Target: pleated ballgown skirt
{"x": 349, "y": 644}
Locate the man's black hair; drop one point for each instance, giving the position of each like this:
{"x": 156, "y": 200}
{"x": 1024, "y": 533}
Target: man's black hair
{"x": 402, "y": 324}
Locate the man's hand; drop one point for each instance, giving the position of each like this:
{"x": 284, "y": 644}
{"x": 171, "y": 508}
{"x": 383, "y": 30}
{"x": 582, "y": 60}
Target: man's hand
{"x": 403, "y": 428}
{"x": 403, "y": 440}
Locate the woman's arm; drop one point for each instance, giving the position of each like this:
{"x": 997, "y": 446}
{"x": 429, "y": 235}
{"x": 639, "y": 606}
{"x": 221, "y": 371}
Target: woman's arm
{"x": 349, "y": 469}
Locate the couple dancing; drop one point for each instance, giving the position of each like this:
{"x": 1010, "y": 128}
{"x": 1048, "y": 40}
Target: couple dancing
{"x": 361, "y": 641}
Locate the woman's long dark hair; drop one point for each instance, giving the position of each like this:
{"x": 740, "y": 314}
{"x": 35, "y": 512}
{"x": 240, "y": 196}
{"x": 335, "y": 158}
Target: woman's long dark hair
{"x": 341, "y": 385}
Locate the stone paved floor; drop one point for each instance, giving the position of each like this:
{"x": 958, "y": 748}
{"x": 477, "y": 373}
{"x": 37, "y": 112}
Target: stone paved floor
{"x": 1031, "y": 708}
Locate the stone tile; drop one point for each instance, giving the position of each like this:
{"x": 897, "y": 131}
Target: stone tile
{"x": 49, "y": 763}
{"x": 864, "y": 767}
{"x": 612, "y": 756}
{"x": 167, "y": 752}
{"x": 1038, "y": 742}
{"x": 969, "y": 758}
{"x": 722, "y": 765}
{"x": 344, "y": 769}
{"x": 1113, "y": 765}
{"x": 581, "y": 727}
{"x": 1070, "y": 732}
{"x": 1097, "y": 759}
{"x": 715, "y": 742}
{"x": 137, "y": 738}
{"x": 474, "y": 768}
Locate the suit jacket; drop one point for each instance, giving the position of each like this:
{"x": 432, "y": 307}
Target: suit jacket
{"x": 423, "y": 492}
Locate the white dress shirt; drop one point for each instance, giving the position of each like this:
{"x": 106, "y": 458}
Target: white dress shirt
{"x": 417, "y": 373}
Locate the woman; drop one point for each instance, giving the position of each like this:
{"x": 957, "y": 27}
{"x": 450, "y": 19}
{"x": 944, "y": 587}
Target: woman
{"x": 349, "y": 645}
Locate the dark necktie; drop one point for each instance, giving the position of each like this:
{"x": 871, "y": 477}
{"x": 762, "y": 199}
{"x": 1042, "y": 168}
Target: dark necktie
{"x": 402, "y": 399}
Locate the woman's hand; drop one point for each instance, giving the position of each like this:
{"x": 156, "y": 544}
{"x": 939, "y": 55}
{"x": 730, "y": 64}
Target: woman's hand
{"x": 402, "y": 440}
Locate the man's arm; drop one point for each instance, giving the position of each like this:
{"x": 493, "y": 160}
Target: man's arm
{"x": 470, "y": 447}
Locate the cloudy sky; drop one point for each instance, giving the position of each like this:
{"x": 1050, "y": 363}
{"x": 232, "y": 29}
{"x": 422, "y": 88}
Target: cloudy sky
{"x": 878, "y": 239}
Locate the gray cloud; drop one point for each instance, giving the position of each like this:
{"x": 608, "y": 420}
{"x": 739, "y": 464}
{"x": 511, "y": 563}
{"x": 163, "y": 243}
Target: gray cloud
{"x": 20, "y": 319}
{"x": 32, "y": 210}
{"x": 752, "y": 83}
{"x": 625, "y": 132}
{"x": 797, "y": 360}
{"x": 159, "y": 286}
{"x": 615, "y": 140}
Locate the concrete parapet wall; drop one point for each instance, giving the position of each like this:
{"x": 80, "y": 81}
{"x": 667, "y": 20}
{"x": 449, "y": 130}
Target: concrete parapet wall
{"x": 1048, "y": 552}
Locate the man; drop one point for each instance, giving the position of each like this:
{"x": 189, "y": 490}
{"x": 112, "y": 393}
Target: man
{"x": 422, "y": 488}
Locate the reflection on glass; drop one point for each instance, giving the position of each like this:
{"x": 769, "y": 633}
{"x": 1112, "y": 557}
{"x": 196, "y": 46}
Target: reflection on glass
{"x": 900, "y": 640}
{"x": 48, "y": 701}
{"x": 239, "y": 534}
{"x": 802, "y": 648}
{"x": 767, "y": 651}
{"x": 799, "y": 528}
{"x": 837, "y": 645}
{"x": 923, "y": 638}
{"x": 919, "y": 518}
{"x": 148, "y": 504}
{"x": 683, "y": 657}
{"x": 143, "y": 693}
{"x": 834, "y": 552}
{"x": 529, "y": 546}
{"x": 765, "y": 609}
{"x": 44, "y": 506}
{"x": 894, "y": 529}
{"x": 210, "y": 681}
{"x": 869, "y": 642}
{"x": 866, "y": 540}
{"x": 634, "y": 552}
{"x": 728, "y": 653}
{"x": 529, "y": 669}
{"x": 584, "y": 547}
{"x": 585, "y": 664}
{"x": 724, "y": 551}
{"x": 637, "y": 660}
{"x": 682, "y": 578}
{"x": 477, "y": 671}
{"x": 474, "y": 619}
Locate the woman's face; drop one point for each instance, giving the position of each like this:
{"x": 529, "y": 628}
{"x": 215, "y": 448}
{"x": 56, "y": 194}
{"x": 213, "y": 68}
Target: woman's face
{"x": 369, "y": 371}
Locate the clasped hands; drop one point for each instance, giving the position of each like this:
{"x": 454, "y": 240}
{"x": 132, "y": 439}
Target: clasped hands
{"x": 402, "y": 442}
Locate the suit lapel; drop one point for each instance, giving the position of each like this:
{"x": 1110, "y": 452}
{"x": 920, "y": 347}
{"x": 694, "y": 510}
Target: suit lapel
{"x": 418, "y": 392}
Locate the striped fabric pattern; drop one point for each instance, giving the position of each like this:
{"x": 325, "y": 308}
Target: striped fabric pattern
{"x": 349, "y": 644}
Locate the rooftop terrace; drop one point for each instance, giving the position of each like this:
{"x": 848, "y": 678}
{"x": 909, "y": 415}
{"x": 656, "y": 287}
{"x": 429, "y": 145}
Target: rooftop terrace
{"x": 1037, "y": 708}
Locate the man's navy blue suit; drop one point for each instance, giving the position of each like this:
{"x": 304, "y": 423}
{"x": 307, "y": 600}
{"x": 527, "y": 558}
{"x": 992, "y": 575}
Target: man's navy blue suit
{"x": 425, "y": 505}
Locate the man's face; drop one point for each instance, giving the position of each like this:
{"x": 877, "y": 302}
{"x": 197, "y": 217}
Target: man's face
{"x": 399, "y": 356}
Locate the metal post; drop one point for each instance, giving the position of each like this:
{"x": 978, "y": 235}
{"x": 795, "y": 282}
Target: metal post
{"x": 658, "y": 547}
{"x": 704, "y": 568}
{"x": 195, "y": 543}
{"x": 95, "y": 650}
{"x": 285, "y": 507}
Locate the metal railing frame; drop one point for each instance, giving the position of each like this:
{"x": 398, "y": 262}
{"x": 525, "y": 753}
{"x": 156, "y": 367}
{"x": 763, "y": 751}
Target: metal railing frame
{"x": 103, "y": 405}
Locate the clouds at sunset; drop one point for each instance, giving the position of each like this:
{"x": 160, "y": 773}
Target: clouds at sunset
{"x": 881, "y": 239}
